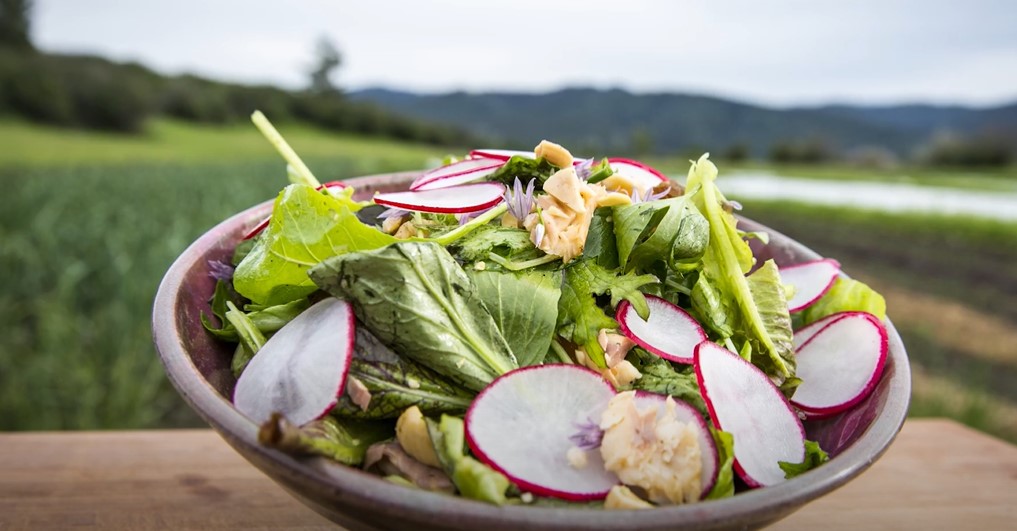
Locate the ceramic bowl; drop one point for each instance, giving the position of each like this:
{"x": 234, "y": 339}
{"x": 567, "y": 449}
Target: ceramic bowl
{"x": 199, "y": 368}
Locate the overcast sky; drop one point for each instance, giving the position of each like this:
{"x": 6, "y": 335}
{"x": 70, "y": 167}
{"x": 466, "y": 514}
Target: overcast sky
{"x": 776, "y": 52}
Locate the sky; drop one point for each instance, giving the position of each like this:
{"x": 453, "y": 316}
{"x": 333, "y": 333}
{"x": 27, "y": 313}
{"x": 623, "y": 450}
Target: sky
{"x": 772, "y": 52}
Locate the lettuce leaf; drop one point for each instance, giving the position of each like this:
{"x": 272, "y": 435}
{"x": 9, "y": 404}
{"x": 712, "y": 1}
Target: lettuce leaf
{"x": 601, "y": 246}
{"x": 814, "y": 456}
{"x": 659, "y": 376}
{"x": 418, "y": 301}
{"x": 524, "y": 305}
{"x": 671, "y": 230}
{"x": 846, "y": 295}
{"x": 724, "y": 487}
{"x": 726, "y": 262}
{"x": 771, "y": 307}
{"x": 307, "y": 227}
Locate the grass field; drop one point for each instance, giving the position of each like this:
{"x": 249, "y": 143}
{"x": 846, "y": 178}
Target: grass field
{"x": 89, "y": 223}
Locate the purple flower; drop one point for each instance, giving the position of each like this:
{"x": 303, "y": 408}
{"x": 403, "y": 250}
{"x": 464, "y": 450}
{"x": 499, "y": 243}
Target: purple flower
{"x": 393, "y": 213}
{"x": 584, "y": 169}
{"x": 735, "y": 205}
{"x": 538, "y": 233}
{"x": 220, "y": 270}
{"x": 588, "y": 435}
{"x": 648, "y": 195}
{"x": 519, "y": 202}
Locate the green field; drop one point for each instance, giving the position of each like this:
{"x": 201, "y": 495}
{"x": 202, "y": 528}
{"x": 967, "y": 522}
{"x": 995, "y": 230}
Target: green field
{"x": 89, "y": 223}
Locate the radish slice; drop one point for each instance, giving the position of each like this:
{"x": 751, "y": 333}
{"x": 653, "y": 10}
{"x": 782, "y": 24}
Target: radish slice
{"x": 522, "y": 425}
{"x": 743, "y": 402}
{"x": 263, "y": 224}
{"x": 499, "y": 154}
{"x": 457, "y": 200}
{"x": 805, "y": 333}
{"x": 456, "y": 168}
{"x": 644, "y": 176}
{"x": 811, "y": 281}
{"x": 840, "y": 364}
{"x": 456, "y": 180}
{"x": 301, "y": 370}
{"x": 670, "y": 332}
{"x": 687, "y": 414}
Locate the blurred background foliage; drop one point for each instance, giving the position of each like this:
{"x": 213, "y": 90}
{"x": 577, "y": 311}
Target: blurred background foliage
{"x": 110, "y": 170}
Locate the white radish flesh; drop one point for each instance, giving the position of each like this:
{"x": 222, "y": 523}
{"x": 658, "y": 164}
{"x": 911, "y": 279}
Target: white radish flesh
{"x": 499, "y": 154}
{"x": 523, "y": 424}
{"x": 456, "y": 200}
{"x": 456, "y": 180}
{"x": 743, "y": 402}
{"x": 642, "y": 175}
{"x": 840, "y": 364}
{"x": 669, "y": 332}
{"x": 687, "y": 414}
{"x": 811, "y": 281}
{"x": 301, "y": 370}
{"x": 457, "y": 168}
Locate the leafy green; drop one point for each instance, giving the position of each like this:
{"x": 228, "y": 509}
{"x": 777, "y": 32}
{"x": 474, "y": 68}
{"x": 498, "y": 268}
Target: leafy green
{"x": 267, "y": 319}
{"x": 672, "y": 230}
{"x": 345, "y": 441}
{"x": 814, "y": 456}
{"x": 580, "y": 319}
{"x": 396, "y": 383}
{"x": 418, "y": 301}
{"x": 600, "y": 171}
{"x": 524, "y": 305}
{"x": 506, "y": 241}
{"x": 525, "y": 168}
{"x": 601, "y": 246}
{"x": 727, "y": 260}
{"x": 846, "y": 295}
{"x": 472, "y": 478}
{"x": 659, "y": 376}
{"x": 771, "y": 307}
{"x": 710, "y": 309}
{"x": 251, "y": 339}
{"x": 724, "y": 487}
{"x": 307, "y": 227}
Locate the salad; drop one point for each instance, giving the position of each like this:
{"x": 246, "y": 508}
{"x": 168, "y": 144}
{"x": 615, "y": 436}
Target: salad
{"x": 535, "y": 328}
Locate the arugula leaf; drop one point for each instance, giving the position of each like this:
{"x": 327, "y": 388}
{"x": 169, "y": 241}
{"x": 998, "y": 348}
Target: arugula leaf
{"x": 672, "y": 230}
{"x": 507, "y": 241}
{"x": 526, "y": 169}
{"x": 472, "y": 478}
{"x": 524, "y": 305}
{"x": 727, "y": 260}
{"x": 396, "y": 383}
{"x": 343, "y": 441}
{"x": 814, "y": 456}
{"x": 307, "y": 227}
{"x": 659, "y": 376}
{"x": 846, "y": 295}
{"x": 417, "y": 300}
{"x": 580, "y": 319}
{"x": 601, "y": 246}
{"x": 724, "y": 487}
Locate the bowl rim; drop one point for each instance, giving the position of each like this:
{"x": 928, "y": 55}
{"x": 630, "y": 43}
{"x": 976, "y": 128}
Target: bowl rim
{"x": 369, "y": 492}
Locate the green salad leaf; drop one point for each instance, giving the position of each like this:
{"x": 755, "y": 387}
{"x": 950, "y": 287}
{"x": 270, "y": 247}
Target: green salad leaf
{"x": 601, "y": 246}
{"x": 724, "y": 487}
{"x": 345, "y": 441}
{"x": 771, "y": 307}
{"x": 472, "y": 478}
{"x": 307, "y": 227}
{"x": 845, "y": 295}
{"x": 659, "y": 376}
{"x": 267, "y": 320}
{"x": 524, "y": 305}
{"x": 525, "y": 169}
{"x": 418, "y": 301}
{"x": 814, "y": 456}
{"x": 487, "y": 239}
{"x": 671, "y": 230}
{"x": 396, "y": 383}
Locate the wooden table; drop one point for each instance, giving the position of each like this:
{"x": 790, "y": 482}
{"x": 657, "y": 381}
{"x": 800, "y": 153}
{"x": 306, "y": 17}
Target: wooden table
{"x": 937, "y": 475}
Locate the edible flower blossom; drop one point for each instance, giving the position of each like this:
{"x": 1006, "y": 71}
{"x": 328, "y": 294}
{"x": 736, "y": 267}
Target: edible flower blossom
{"x": 393, "y": 213}
{"x": 519, "y": 201}
{"x": 648, "y": 195}
{"x": 584, "y": 169}
{"x": 588, "y": 435}
{"x": 538, "y": 233}
{"x": 220, "y": 270}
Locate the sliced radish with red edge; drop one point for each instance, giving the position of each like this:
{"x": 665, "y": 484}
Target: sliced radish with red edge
{"x": 644, "y": 176}
{"x": 263, "y": 224}
{"x": 456, "y": 180}
{"x": 743, "y": 402}
{"x": 811, "y": 281}
{"x": 301, "y": 370}
{"x": 523, "y": 423}
{"x": 688, "y": 414}
{"x": 456, "y": 200}
{"x": 805, "y": 333}
{"x": 670, "y": 332}
{"x": 463, "y": 167}
{"x": 499, "y": 154}
{"x": 840, "y": 364}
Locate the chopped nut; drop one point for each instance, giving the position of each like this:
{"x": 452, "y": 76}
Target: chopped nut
{"x": 564, "y": 186}
{"x": 391, "y": 225}
{"x": 411, "y": 432}
{"x": 622, "y": 497}
{"x": 406, "y": 231}
{"x": 619, "y": 183}
{"x": 554, "y": 153}
{"x": 359, "y": 393}
{"x": 614, "y": 199}
{"x": 576, "y": 457}
{"x": 616, "y": 346}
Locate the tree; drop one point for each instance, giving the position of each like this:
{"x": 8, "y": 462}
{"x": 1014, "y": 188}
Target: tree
{"x": 328, "y": 59}
{"x": 15, "y": 22}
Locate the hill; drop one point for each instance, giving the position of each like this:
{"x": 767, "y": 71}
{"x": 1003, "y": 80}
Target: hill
{"x": 618, "y": 121}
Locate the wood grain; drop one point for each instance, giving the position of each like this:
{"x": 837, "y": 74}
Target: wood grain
{"x": 937, "y": 475}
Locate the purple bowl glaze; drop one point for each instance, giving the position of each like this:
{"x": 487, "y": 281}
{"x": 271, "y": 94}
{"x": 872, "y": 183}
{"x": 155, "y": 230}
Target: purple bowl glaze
{"x": 199, "y": 368}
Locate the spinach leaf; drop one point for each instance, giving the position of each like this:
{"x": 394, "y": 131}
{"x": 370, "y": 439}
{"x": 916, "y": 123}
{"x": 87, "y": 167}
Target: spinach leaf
{"x": 524, "y": 306}
{"x": 418, "y": 301}
{"x": 846, "y": 295}
{"x": 472, "y": 478}
{"x": 601, "y": 246}
{"x": 307, "y": 227}
{"x": 724, "y": 487}
{"x": 397, "y": 383}
{"x": 345, "y": 441}
{"x": 526, "y": 169}
{"x": 814, "y": 456}
{"x": 659, "y": 376}
{"x": 672, "y": 230}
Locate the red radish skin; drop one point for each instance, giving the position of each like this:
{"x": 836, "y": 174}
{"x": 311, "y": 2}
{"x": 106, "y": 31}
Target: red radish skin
{"x": 520, "y": 425}
{"x": 300, "y": 372}
{"x": 643, "y": 175}
{"x": 499, "y": 154}
{"x": 743, "y": 402}
{"x": 456, "y": 168}
{"x": 457, "y": 200}
{"x": 811, "y": 281}
{"x": 840, "y": 364}
{"x": 263, "y": 224}
{"x": 686, "y": 414}
{"x": 456, "y": 180}
{"x": 670, "y": 332}
{"x": 805, "y": 333}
